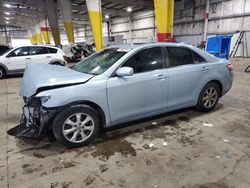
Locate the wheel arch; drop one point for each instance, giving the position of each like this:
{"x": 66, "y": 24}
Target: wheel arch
{"x": 219, "y": 85}
{"x": 4, "y": 67}
{"x": 93, "y": 105}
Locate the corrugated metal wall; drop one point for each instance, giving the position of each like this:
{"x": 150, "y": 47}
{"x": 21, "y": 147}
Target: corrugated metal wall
{"x": 142, "y": 27}
{"x": 226, "y": 16}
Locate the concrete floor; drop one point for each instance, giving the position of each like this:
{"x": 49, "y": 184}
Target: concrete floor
{"x": 167, "y": 151}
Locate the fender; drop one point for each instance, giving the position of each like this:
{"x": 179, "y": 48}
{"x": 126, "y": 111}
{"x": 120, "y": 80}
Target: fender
{"x": 95, "y": 106}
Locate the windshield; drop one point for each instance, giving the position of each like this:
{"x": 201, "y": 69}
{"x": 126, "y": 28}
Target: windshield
{"x": 99, "y": 62}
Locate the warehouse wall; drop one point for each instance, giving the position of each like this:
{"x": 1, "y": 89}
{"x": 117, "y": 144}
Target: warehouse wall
{"x": 142, "y": 27}
{"x": 225, "y": 17}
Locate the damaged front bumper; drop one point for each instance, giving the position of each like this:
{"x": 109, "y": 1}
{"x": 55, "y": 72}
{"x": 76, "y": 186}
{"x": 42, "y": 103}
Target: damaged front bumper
{"x": 35, "y": 120}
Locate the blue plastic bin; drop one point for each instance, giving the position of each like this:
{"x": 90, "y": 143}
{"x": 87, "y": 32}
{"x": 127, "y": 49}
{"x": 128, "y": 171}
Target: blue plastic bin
{"x": 219, "y": 45}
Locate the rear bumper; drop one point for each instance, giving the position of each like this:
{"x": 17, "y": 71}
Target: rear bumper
{"x": 228, "y": 84}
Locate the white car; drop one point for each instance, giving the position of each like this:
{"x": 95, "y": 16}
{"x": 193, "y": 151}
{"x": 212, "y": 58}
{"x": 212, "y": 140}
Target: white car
{"x": 14, "y": 61}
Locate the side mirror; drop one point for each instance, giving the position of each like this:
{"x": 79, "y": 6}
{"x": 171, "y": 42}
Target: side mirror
{"x": 125, "y": 71}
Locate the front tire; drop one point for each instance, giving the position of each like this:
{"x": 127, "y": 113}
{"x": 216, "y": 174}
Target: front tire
{"x": 2, "y": 73}
{"x": 209, "y": 97}
{"x": 76, "y": 126}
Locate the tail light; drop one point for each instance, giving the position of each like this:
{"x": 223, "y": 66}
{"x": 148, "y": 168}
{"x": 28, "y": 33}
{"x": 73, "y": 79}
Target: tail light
{"x": 230, "y": 67}
{"x": 65, "y": 58}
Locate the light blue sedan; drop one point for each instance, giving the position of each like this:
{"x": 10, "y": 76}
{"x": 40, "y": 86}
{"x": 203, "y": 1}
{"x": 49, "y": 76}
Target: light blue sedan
{"x": 117, "y": 85}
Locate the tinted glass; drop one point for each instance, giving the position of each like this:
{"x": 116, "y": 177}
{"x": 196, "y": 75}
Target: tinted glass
{"x": 36, "y": 50}
{"x": 197, "y": 58}
{"x": 20, "y": 51}
{"x": 145, "y": 60}
{"x": 99, "y": 62}
{"x": 52, "y": 50}
{"x": 179, "y": 56}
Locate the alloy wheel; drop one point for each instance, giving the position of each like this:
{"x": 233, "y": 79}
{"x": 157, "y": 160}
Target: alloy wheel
{"x": 209, "y": 97}
{"x": 78, "y": 127}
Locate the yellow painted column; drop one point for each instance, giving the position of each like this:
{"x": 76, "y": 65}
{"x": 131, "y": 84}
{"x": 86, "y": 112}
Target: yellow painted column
{"x": 95, "y": 18}
{"x": 34, "y": 39}
{"x": 32, "y": 36}
{"x": 68, "y": 25}
{"x": 65, "y": 7}
{"x": 45, "y": 32}
{"x": 39, "y": 38}
{"x": 164, "y": 14}
{"x": 51, "y": 10}
{"x": 56, "y": 35}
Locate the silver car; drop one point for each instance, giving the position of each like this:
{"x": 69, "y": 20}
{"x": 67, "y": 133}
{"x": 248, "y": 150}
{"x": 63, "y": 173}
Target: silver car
{"x": 117, "y": 85}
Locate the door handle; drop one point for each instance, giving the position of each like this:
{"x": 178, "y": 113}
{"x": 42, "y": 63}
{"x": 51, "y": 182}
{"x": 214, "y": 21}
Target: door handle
{"x": 48, "y": 56}
{"x": 204, "y": 69}
{"x": 27, "y": 58}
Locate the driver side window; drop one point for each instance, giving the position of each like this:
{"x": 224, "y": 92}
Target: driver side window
{"x": 23, "y": 51}
{"x": 145, "y": 60}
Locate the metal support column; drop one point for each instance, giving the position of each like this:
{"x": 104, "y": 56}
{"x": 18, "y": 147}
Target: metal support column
{"x": 204, "y": 36}
{"x": 53, "y": 21}
{"x": 95, "y": 18}
{"x": 66, "y": 11}
{"x": 164, "y": 14}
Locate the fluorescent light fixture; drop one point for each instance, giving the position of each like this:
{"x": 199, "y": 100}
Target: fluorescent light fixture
{"x": 7, "y": 22}
{"x": 7, "y": 13}
{"x": 107, "y": 16}
{"x": 129, "y": 9}
{"x": 7, "y": 5}
{"x": 6, "y": 18}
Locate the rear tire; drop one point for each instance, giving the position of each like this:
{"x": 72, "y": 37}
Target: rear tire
{"x": 209, "y": 97}
{"x": 2, "y": 73}
{"x": 76, "y": 126}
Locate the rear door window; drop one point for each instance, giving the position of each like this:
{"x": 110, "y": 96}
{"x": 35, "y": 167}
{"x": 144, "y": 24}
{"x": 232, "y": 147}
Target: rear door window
{"x": 52, "y": 50}
{"x": 178, "y": 56}
{"x": 198, "y": 59}
{"x": 37, "y": 50}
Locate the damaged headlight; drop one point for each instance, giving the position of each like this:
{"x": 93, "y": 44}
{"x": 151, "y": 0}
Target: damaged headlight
{"x": 44, "y": 99}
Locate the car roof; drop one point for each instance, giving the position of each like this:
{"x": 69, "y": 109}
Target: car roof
{"x": 132, "y": 47}
{"x": 141, "y": 45}
{"x": 39, "y": 45}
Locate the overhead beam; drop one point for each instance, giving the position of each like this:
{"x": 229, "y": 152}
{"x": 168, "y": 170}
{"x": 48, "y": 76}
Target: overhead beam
{"x": 143, "y": 3}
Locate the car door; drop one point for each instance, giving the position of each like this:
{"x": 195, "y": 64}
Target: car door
{"x": 17, "y": 59}
{"x": 40, "y": 54}
{"x": 145, "y": 91}
{"x": 54, "y": 54}
{"x": 187, "y": 72}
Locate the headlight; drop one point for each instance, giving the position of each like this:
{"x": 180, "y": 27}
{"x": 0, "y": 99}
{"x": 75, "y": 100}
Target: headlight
{"x": 44, "y": 99}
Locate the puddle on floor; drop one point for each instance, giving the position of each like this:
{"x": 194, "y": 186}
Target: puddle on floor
{"x": 104, "y": 150}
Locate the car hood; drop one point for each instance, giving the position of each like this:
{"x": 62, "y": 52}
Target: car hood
{"x": 37, "y": 76}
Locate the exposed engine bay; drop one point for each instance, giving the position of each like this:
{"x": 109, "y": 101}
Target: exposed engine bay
{"x": 34, "y": 119}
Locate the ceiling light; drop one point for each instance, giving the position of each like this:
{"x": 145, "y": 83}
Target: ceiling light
{"x": 7, "y": 13}
{"x": 7, "y": 5}
{"x": 107, "y": 16}
{"x": 7, "y": 18}
{"x": 129, "y": 9}
{"x": 7, "y": 22}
